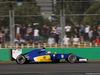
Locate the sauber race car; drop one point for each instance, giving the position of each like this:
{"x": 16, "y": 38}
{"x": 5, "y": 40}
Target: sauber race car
{"x": 40, "y": 55}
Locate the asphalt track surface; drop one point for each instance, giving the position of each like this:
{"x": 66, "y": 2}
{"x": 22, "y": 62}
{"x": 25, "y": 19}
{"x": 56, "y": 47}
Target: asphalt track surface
{"x": 62, "y": 68}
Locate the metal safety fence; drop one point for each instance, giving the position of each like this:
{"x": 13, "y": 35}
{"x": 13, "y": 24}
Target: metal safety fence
{"x": 34, "y": 24}
{"x": 71, "y": 45}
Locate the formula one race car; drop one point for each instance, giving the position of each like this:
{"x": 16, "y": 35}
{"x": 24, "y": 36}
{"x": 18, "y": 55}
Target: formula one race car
{"x": 40, "y": 55}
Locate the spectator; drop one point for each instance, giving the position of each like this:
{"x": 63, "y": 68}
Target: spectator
{"x": 95, "y": 27}
{"x": 59, "y": 41}
{"x": 90, "y": 35}
{"x": 27, "y": 36}
{"x": 29, "y": 31}
{"x": 97, "y": 40}
{"x": 22, "y": 41}
{"x": 76, "y": 40}
{"x": 99, "y": 34}
{"x": 23, "y": 31}
{"x": 48, "y": 29}
{"x": 45, "y": 32}
{"x": 59, "y": 29}
{"x": 77, "y": 30}
{"x": 81, "y": 40}
{"x": 51, "y": 41}
{"x": 53, "y": 31}
{"x": 41, "y": 42}
{"x": 94, "y": 34}
{"x": 6, "y": 31}
{"x": 1, "y": 41}
{"x": 36, "y": 34}
{"x": 16, "y": 41}
{"x": 71, "y": 39}
{"x": 56, "y": 37}
{"x": 31, "y": 42}
{"x": 82, "y": 29}
{"x": 66, "y": 40}
{"x": 1, "y": 35}
{"x": 98, "y": 29}
{"x": 2, "y": 30}
{"x": 68, "y": 30}
{"x": 18, "y": 31}
{"x": 87, "y": 30}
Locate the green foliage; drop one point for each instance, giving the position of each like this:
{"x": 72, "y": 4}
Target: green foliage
{"x": 77, "y": 7}
{"x": 93, "y": 9}
{"x": 27, "y": 9}
{"x": 24, "y": 9}
{"x": 30, "y": 9}
{"x": 93, "y": 20}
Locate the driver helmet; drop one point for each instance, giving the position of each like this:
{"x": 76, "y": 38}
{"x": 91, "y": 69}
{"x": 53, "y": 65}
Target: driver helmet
{"x": 49, "y": 52}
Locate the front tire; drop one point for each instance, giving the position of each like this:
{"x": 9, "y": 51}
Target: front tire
{"x": 72, "y": 58}
{"x": 20, "y": 59}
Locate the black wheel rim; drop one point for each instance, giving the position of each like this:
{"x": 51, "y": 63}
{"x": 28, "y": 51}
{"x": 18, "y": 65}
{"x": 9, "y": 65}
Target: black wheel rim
{"x": 21, "y": 59}
{"x": 72, "y": 58}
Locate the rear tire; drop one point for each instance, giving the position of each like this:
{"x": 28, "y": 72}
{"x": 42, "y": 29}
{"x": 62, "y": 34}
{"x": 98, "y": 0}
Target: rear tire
{"x": 56, "y": 61}
{"x": 72, "y": 58}
{"x": 20, "y": 59}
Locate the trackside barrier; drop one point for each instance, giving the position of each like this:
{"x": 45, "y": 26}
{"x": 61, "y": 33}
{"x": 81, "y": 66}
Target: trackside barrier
{"x": 85, "y": 45}
{"x": 5, "y": 54}
{"x": 89, "y": 53}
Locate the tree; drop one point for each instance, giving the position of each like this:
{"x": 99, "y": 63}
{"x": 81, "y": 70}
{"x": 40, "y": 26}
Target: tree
{"x": 74, "y": 7}
{"x": 29, "y": 9}
{"x": 93, "y": 20}
{"x": 24, "y": 9}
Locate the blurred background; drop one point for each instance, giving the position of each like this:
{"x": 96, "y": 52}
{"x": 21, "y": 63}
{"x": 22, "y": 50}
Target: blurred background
{"x": 49, "y": 23}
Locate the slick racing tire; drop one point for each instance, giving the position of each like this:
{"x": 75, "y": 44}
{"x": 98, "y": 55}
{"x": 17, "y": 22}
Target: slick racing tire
{"x": 56, "y": 61}
{"x": 20, "y": 59}
{"x": 72, "y": 58}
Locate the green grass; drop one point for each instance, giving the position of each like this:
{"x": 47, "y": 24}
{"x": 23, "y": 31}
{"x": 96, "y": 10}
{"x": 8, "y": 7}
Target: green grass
{"x": 7, "y": 61}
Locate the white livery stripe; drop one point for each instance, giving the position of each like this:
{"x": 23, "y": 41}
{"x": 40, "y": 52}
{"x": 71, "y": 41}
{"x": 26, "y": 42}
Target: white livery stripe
{"x": 35, "y": 59}
{"x": 82, "y": 59}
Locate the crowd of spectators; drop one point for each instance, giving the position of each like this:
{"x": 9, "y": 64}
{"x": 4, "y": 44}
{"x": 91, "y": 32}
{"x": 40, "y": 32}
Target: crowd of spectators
{"x": 87, "y": 33}
{"x": 82, "y": 34}
{"x": 29, "y": 35}
{"x": 4, "y": 34}
{"x": 78, "y": 34}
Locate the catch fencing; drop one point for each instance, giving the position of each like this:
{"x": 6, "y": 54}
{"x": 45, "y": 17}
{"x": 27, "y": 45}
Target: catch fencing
{"x": 27, "y": 46}
{"x": 37, "y": 14}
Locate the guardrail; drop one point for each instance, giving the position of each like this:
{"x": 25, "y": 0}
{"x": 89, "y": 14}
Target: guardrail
{"x": 85, "y": 45}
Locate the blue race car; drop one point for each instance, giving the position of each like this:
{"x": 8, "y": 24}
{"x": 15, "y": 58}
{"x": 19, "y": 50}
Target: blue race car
{"x": 40, "y": 55}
